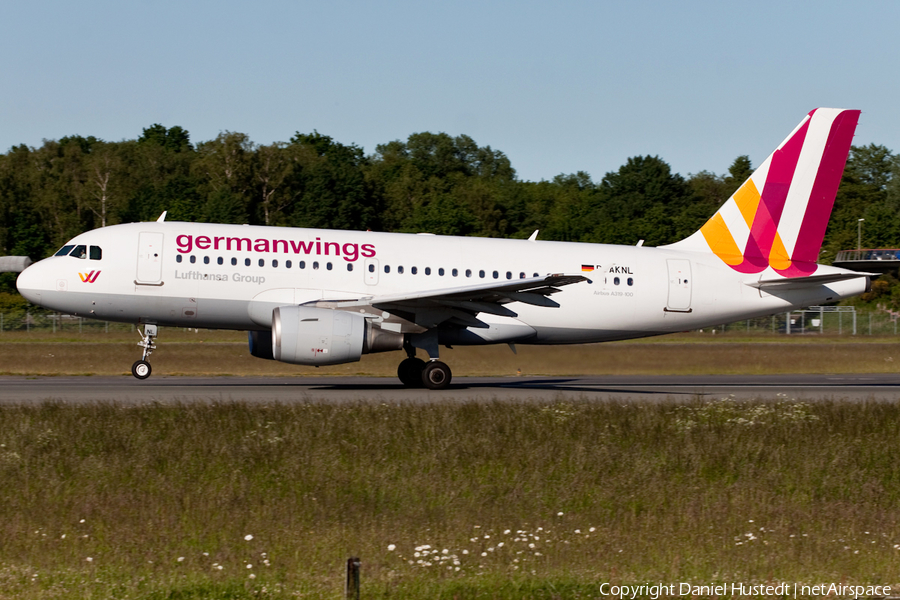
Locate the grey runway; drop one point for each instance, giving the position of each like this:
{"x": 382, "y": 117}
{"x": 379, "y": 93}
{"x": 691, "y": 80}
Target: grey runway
{"x": 127, "y": 390}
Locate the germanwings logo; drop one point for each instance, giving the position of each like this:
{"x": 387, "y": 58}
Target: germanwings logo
{"x": 778, "y": 217}
{"x": 89, "y": 277}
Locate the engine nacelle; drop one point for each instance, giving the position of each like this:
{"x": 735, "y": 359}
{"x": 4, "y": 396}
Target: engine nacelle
{"x": 303, "y": 335}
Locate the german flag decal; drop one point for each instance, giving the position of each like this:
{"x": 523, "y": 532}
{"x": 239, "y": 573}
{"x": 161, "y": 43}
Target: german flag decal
{"x": 587, "y": 268}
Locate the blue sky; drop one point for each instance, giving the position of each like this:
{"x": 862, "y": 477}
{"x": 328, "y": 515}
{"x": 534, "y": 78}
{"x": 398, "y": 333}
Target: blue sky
{"x": 559, "y": 87}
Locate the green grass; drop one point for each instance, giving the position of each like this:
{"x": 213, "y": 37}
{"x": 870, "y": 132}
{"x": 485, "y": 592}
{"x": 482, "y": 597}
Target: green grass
{"x": 183, "y": 352}
{"x": 526, "y": 500}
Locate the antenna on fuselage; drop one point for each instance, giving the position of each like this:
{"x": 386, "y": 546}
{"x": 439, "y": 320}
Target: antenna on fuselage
{"x": 162, "y": 217}
{"x": 533, "y": 236}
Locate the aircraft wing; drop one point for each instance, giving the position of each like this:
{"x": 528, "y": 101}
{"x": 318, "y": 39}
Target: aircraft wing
{"x": 460, "y": 305}
{"x": 796, "y": 283}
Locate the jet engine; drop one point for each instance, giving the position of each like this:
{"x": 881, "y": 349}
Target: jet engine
{"x": 303, "y": 335}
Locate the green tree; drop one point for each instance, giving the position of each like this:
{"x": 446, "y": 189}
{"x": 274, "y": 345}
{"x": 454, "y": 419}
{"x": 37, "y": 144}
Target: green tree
{"x": 644, "y": 200}
{"x": 329, "y": 184}
{"x": 224, "y": 170}
{"x": 863, "y": 194}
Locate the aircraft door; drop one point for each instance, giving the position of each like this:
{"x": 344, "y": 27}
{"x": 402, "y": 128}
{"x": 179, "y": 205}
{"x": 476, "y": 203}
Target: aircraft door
{"x": 371, "y": 269}
{"x": 150, "y": 254}
{"x": 680, "y": 281}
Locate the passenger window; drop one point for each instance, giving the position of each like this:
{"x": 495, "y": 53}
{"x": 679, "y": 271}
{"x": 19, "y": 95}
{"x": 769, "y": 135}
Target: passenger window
{"x": 496, "y": 275}
{"x": 428, "y": 270}
{"x": 246, "y": 262}
{"x": 205, "y": 260}
{"x": 536, "y": 275}
{"x": 315, "y": 264}
{"x": 96, "y": 253}
{"x": 349, "y": 266}
{"x": 455, "y": 272}
{"x": 400, "y": 269}
{"x": 178, "y": 258}
{"x": 414, "y": 270}
{"x": 521, "y": 275}
{"x": 441, "y": 271}
{"x": 274, "y": 262}
{"x": 220, "y": 260}
{"x": 64, "y": 251}
{"x": 193, "y": 259}
{"x": 509, "y": 275}
{"x": 302, "y": 264}
{"x": 262, "y": 262}
{"x": 79, "y": 252}
{"x": 233, "y": 262}
{"x": 481, "y": 274}
{"x": 328, "y": 266}
{"x": 287, "y": 264}
{"x": 371, "y": 268}
{"x": 468, "y": 272}
{"x": 615, "y": 281}
{"x": 630, "y": 281}
{"x": 387, "y": 268}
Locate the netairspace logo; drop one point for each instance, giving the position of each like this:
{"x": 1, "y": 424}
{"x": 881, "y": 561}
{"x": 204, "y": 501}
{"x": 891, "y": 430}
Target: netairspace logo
{"x": 780, "y": 590}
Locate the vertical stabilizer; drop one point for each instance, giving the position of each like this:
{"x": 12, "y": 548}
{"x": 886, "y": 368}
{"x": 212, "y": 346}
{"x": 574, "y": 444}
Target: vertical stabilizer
{"x": 777, "y": 218}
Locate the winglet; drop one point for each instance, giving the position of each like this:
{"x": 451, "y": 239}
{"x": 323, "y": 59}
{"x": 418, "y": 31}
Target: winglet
{"x": 533, "y": 236}
{"x": 162, "y": 217}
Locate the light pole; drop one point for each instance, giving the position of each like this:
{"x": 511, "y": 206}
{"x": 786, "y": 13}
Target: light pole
{"x": 859, "y": 233}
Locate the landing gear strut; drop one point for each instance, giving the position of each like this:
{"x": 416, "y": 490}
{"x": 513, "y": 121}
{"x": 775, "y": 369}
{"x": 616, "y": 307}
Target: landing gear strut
{"x": 415, "y": 372}
{"x": 141, "y": 369}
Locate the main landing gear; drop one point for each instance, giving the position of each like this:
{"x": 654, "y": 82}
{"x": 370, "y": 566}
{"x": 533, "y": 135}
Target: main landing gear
{"x": 415, "y": 372}
{"x": 141, "y": 369}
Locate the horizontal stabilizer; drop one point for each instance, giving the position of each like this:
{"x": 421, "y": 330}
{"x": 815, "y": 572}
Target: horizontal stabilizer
{"x": 796, "y": 283}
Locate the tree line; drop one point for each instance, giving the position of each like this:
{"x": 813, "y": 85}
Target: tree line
{"x": 431, "y": 182}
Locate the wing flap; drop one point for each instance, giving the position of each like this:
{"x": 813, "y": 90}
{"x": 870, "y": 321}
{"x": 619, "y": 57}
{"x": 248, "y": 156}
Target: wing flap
{"x": 461, "y": 305}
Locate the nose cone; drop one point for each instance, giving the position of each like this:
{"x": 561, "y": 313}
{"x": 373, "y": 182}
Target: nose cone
{"x": 30, "y": 283}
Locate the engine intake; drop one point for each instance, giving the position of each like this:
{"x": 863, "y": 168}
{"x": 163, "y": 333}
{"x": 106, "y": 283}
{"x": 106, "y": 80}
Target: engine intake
{"x": 304, "y": 335}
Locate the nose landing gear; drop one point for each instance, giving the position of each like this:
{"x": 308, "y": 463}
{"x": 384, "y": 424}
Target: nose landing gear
{"x": 141, "y": 369}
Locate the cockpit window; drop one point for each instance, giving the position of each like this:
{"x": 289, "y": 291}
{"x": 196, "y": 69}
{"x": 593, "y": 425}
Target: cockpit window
{"x": 64, "y": 251}
{"x": 96, "y": 253}
{"x": 79, "y": 252}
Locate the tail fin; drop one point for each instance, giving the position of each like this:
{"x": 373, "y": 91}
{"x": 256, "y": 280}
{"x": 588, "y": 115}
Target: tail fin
{"x": 777, "y": 218}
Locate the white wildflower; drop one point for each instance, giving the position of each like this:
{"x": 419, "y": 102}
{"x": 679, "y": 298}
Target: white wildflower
{"x": 248, "y": 537}
{"x": 391, "y": 547}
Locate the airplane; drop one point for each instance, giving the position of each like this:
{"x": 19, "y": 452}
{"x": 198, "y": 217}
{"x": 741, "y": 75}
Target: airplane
{"x": 324, "y": 297}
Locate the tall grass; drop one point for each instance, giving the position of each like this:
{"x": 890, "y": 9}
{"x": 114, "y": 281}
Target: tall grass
{"x": 472, "y": 500}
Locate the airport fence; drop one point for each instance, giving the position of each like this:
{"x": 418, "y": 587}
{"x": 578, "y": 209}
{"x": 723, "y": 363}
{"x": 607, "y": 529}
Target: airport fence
{"x": 815, "y": 320}
{"x": 49, "y": 322}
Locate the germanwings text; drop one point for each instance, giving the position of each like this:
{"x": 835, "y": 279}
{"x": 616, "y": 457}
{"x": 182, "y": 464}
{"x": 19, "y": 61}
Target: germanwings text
{"x": 349, "y": 251}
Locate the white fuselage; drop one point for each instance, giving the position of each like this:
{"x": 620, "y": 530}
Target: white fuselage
{"x": 232, "y": 276}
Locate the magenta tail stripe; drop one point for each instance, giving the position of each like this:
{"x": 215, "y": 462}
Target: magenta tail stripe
{"x": 824, "y": 190}
{"x": 771, "y": 204}
{"x": 775, "y": 191}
